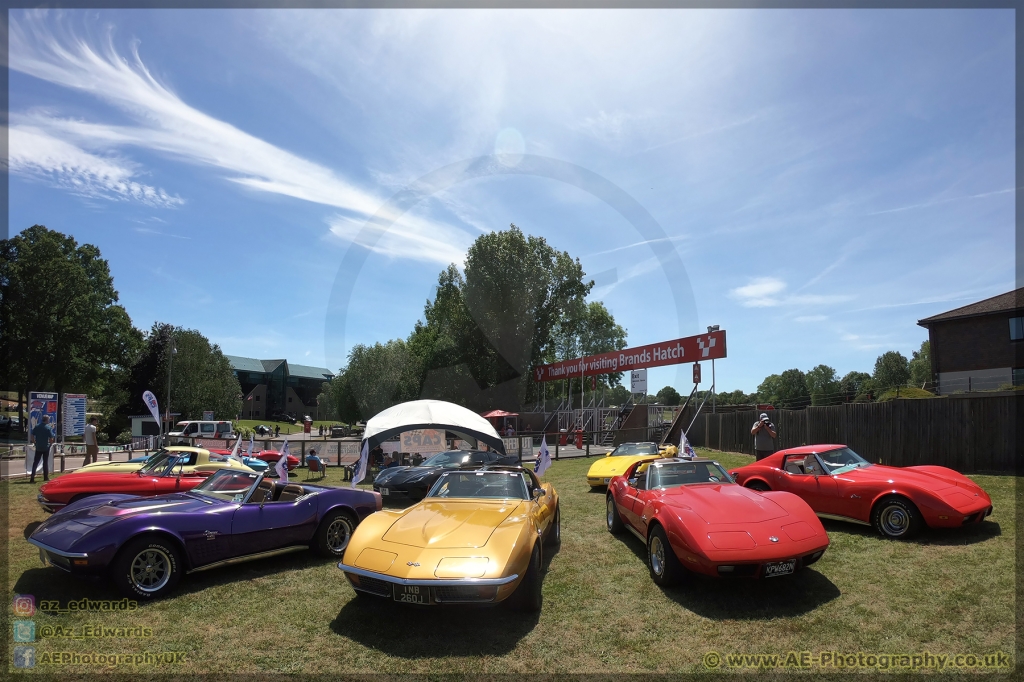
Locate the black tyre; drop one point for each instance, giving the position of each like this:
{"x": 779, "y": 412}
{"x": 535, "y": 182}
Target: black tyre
{"x": 528, "y": 596}
{"x": 554, "y": 536}
{"x": 661, "y": 559}
{"x": 759, "y": 486}
{"x": 896, "y": 517}
{"x": 612, "y": 518}
{"x": 334, "y": 533}
{"x": 147, "y": 568}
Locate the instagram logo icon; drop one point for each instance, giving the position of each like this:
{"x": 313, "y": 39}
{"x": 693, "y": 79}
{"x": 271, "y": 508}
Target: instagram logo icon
{"x": 24, "y": 605}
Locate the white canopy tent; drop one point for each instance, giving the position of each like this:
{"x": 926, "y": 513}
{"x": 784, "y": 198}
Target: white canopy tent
{"x": 430, "y": 414}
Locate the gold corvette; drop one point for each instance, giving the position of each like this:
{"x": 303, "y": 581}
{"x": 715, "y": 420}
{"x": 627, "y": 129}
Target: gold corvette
{"x": 199, "y": 459}
{"x": 477, "y": 537}
{"x": 623, "y": 457}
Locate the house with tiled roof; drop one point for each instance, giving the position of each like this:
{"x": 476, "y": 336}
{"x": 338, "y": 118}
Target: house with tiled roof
{"x": 980, "y": 346}
{"x": 272, "y": 386}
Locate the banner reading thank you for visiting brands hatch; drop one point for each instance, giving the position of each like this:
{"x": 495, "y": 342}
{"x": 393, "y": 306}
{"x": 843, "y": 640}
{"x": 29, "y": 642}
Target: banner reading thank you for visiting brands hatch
{"x": 710, "y": 346}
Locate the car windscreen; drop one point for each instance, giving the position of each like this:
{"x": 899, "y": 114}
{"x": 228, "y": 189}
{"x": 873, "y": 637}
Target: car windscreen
{"x": 842, "y": 459}
{"x": 675, "y": 474}
{"x": 635, "y": 449}
{"x": 480, "y": 484}
{"x": 227, "y": 485}
{"x": 162, "y": 459}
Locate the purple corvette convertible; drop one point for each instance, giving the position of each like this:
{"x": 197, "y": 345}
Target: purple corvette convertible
{"x": 146, "y": 543}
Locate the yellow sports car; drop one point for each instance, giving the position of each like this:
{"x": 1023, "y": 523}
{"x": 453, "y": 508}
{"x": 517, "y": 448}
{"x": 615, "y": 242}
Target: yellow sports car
{"x": 620, "y": 459}
{"x": 476, "y": 537}
{"x": 199, "y": 459}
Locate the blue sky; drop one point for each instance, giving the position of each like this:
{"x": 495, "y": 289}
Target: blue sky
{"x": 827, "y": 178}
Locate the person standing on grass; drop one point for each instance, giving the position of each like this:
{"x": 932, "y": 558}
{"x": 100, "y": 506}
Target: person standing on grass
{"x": 42, "y": 436}
{"x": 92, "y": 448}
{"x": 764, "y": 436}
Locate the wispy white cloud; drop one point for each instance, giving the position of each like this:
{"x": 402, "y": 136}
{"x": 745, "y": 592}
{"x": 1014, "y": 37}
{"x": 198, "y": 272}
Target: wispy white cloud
{"x": 635, "y": 244}
{"x": 768, "y": 292}
{"x": 39, "y": 155}
{"x": 146, "y": 230}
{"x": 636, "y": 270}
{"x": 409, "y": 237}
{"x": 938, "y": 202}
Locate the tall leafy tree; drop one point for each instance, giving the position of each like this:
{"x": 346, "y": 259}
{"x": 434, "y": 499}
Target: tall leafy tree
{"x": 786, "y": 390}
{"x": 856, "y": 386}
{"x": 891, "y": 369}
{"x": 375, "y": 378}
{"x": 823, "y": 385}
{"x": 668, "y": 396}
{"x": 61, "y": 327}
{"x": 921, "y": 365}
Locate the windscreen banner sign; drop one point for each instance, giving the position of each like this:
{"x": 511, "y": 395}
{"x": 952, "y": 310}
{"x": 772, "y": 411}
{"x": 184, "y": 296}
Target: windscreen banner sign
{"x": 423, "y": 440}
{"x": 710, "y": 346}
{"x": 74, "y": 414}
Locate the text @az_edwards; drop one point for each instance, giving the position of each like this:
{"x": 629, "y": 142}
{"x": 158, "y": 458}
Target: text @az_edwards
{"x": 837, "y": 660}
{"x": 92, "y": 632}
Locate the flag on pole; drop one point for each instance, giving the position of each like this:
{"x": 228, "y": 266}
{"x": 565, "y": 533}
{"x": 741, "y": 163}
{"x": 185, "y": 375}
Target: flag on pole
{"x": 234, "y": 450}
{"x": 545, "y": 458}
{"x": 364, "y": 456}
{"x": 153, "y": 405}
{"x": 282, "y": 464}
{"x": 685, "y": 449}
{"x": 248, "y": 452}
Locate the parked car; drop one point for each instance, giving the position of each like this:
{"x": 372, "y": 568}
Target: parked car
{"x": 204, "y": 460}
{"x": 201, "y": 429}
{"x": 282, "y": 417}
{"x": 340, "y": 431}
{"x": 617, "y": 461}
{"x": 898, "y": 501}
{"x": 692, "y": 516}
{"x": 5, "y": 421}
{"x": 412, "y": 483}
{"x": 272, "y": 457}
{"x": 145, "y": 545}
{"x": 174, "y": 470}
{"x": 499, "y": 516}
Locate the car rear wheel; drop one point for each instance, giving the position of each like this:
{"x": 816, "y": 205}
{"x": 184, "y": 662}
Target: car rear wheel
{"x": 334, "y": 533}
{"x": 759, "y": 486}
{"x": 555, "y": 531}
{"x": 147, "y": 568}
{"x": 612, "y": 518}
{"x": 528, "y": 596}
{"x": 661, "y": 559}
{"x": 896, "y": 517}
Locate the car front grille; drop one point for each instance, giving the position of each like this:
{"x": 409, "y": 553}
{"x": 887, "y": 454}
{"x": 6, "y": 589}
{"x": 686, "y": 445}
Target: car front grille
{"x": 469, "y": 593}
{"x": 375, "y": 585}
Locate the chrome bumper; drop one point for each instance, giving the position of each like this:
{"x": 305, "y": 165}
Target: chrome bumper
{"x": 48, "y": 506}
{"x": 434, "y": 582}
{"x": 58, "y": 558}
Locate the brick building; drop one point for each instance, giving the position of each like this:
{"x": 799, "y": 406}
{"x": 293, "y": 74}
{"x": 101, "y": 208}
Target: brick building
{"x": 272, "y": 386}
{"x": 979, "y": 346}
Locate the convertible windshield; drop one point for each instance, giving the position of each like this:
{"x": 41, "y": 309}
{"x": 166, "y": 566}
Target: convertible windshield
{"x": 842, "y": 459}
{"x": 476, "y": 484}
{"x": 675, "y": 474}
{"x": 447, "y": 459}
{"x": 164, "y": 459}
{"x": 635, "y": 449}
{"x": 227, "y": 484}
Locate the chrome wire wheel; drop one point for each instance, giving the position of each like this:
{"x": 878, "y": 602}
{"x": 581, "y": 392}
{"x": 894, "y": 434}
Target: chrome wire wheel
{"x": 894, "y": 520}
{"x": 338, "y": 534}
{"x": 151, "y": 569}
{"x": 657, "y": 552}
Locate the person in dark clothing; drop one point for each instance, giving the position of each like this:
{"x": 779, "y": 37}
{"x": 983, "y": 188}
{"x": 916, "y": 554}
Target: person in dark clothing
{"x": 42, "y": 435}
{"x": 277, "y": 431}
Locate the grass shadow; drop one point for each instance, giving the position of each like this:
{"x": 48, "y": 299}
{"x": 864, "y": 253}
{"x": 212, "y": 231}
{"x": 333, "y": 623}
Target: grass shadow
{"x": 745, "y": 598}
{"x": 31, "y": 528}
{"x": 964, "y": 535}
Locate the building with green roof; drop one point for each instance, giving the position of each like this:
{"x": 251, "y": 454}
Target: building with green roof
{"x": 272, "y": 386}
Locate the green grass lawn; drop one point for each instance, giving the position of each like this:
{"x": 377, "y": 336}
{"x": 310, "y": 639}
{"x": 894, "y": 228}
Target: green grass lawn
{"x": 286, "y": 428}
{"x": 946, "y": 592}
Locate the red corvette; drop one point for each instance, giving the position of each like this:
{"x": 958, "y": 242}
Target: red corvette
{"x": 160, "y": 475}
{"x": 691, "y": 515}
{"x": 271, "y": 457}
{"x": 840, "y": 484}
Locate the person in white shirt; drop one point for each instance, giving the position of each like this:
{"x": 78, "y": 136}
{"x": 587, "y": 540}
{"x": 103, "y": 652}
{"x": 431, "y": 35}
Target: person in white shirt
{"x": 92, "y": 448}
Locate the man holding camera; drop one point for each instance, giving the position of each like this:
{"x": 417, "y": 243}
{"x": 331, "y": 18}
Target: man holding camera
{"x": 764, "y": 437}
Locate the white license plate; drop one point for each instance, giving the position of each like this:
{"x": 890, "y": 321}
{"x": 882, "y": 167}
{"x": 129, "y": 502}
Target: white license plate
{"x": 412, "y": 594}
{"x": 607, "y": 481}
{"x": 385, "y": 491}
{"x": 779, "y": 568}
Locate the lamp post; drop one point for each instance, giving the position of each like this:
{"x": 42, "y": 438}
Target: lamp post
{"x": 170, "y": 361}
{"x": 714, "y": 390}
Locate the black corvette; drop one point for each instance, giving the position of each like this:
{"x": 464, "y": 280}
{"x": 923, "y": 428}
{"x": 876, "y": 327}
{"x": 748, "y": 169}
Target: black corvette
{"x": 412, "y": 483}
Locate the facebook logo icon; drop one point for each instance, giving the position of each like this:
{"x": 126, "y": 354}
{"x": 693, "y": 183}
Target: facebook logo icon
{"x": 24, "y": 657}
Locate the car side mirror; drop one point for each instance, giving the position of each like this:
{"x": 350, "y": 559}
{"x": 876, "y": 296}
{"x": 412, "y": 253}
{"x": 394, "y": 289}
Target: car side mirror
{"x": 632, "y": 482}
{"x": 537, "y": 493}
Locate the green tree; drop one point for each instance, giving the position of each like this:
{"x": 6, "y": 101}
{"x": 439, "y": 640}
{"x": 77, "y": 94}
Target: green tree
{"x": 617, "y": 395}
{"x": 921, "y": 365}
{"x": 856, "y": 386}
{"x": 891, "y": 370}
{"x": 375, "y": 378}
{"x": 823, "y": 386}
{"x": 787, "y": 390}
{"x": 736, "y": 397}
{"x": 60, "y": 325}
{"x": 668, "y": 396}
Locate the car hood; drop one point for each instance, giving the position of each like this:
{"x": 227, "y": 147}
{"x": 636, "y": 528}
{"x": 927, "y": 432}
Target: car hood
{"x": 879, "y": 473}
{"x": 64, "y": 529}
{"x": 449, "y": 524}
{"x": 723, "y": 503}
{"x": 606, "y": 467}
{"x": 109, "y": 467}
{"x": 406, "y": 474}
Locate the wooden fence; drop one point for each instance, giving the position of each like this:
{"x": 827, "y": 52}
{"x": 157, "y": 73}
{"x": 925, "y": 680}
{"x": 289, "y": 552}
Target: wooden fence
{"x": 968, "y": 434}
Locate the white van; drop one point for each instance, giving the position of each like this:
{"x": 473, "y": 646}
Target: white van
{"x": 203, "y": 429}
